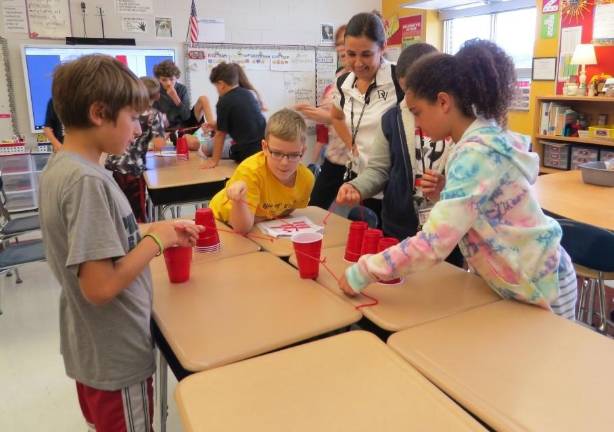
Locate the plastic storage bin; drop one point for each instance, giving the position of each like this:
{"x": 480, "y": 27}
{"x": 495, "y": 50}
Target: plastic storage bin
{"x": 556, "y": 155}
{"x": 11, "y": 164}
{"x": 595, "y": 173}
{"x": 580, "y": 155}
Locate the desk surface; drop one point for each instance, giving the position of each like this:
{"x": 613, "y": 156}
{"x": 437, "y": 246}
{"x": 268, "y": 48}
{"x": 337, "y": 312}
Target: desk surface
{"x": 167, "y": 172}
{"x": 566, "y": 195}
{"x": 421, "y": 297}
{"x": 517, "y": 367}
{"x": 239, "y": 307}
{"x": 335, "y": 231}
{"x": 232, "y": 245}
{"x": 349, "y": 382}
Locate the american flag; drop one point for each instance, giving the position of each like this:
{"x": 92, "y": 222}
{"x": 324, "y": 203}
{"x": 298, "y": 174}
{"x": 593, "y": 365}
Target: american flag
{"x": 193, "y": 26}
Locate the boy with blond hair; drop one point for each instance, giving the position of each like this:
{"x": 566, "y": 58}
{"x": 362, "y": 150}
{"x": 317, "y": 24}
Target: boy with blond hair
{"x": 94, "y": 248}
{"x": 271, "y": 183}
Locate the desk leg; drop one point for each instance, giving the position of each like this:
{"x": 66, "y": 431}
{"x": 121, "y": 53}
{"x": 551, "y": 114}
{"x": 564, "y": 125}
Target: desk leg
{"x": 162, "y": 390}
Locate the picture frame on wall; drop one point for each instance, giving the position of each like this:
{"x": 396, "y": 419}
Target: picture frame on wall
{"x": 544, "y": 69}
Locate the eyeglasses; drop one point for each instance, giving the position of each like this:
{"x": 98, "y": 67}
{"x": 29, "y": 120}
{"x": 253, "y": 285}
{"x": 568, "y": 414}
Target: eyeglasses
{"x": 292, "y": 157}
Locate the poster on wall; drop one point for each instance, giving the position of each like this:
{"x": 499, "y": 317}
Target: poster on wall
{"x": 550, "y": 6}
{"x": 48, "y": 19}
{"x": 15, "y": 20}
{"x": 134, "y": 7}
{"x": 550, "y": 26}
{"x": 570, "y": 37}
{"x": 134, "y": 25}
{"x": 164, "y": 27}
{"x": 603, "y": 26}
{"x": 211, "y": 30}
{"x": 411, "y": 30}
{"x": 327, "y": 35}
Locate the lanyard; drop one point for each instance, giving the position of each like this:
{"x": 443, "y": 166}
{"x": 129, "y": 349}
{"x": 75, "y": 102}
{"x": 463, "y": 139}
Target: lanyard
{"x": 362, "y": 111}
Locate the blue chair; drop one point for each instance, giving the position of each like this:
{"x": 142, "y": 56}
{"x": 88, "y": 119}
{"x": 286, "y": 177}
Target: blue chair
{"x": 365, "y": 214}
{"x": 592, "y": 251}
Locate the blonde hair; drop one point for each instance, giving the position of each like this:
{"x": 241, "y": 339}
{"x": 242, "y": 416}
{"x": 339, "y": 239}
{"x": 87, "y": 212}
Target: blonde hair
{"x": 152, "y": 85}
{"x": 287, "y": 125}
{"x": 96, "y": 78}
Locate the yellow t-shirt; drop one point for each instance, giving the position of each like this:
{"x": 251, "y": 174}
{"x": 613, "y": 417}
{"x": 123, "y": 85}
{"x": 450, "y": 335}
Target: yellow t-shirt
{"x": 267, "y": 197}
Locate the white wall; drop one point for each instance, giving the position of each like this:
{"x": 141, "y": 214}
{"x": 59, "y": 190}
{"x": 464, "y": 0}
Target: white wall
{"x": 247, "y": 21}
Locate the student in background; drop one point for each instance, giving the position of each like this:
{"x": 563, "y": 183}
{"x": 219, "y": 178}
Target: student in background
{"x": 271, "y": 183}
{"x": 53, "y": 130}
{"x": 487, "y": 203}
{"x": 360, "y": 99}
{"x": 398, "y": 158}
{"x": 94, "y": 248}
{"x": 238, "y": 115}
{"x": 340, "y": 46}
{"x": 128, "y": 167}
{"x": 174, "y": 101}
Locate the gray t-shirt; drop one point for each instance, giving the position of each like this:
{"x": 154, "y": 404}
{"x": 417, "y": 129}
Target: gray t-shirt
{"x": 86, "y": 217}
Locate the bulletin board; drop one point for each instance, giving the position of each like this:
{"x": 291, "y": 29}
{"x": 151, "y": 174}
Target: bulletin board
{"x": 579, "y": 20}
{"x": 284, "y": 75}
{"x": 7, "y": 98}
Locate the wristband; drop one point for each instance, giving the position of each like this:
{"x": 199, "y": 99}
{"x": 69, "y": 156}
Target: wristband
{"x": 156, "y": 239}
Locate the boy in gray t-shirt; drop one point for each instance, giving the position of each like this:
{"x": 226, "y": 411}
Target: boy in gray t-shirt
{"x": 94, "y": 247}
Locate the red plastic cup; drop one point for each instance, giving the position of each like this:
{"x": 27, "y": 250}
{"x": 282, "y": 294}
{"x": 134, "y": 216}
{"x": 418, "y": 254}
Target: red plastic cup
{"x": 383, "y": 244}
{"x": 178, "y": 261}
{"x": 182, "y": 147}
{"x": 209, "y": 237}
{"x": 307, "y": 247}
{"x": 354, "y": 243}
{"x": 370, "y": 241}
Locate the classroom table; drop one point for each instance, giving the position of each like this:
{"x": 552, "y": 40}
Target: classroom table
{"x": 517, "y": 367}
{"x": 174, "y": 181}
{"x": 438, "y": 292}
{"x": 335, "y": 231}
{"x": 239, "y": 307}
{"x": 566, "y": 195}
{"x": 348, "y": 382}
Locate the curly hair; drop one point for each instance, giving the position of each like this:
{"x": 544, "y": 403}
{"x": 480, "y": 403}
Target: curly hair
{"x": 481, "y": 78}
{"x": 166, "y": 68}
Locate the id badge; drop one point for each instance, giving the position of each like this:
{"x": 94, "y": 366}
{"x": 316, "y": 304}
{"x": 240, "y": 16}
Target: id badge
{"x": 423, "y": 215}
{"x": 347, "y": 176}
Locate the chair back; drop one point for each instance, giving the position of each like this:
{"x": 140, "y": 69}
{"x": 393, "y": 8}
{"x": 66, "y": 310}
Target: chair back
{"x": 364, "y": 214}
{"x": 588, "y": 245}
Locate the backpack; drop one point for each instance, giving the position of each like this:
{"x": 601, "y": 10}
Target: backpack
{"x": 397, "y": 87}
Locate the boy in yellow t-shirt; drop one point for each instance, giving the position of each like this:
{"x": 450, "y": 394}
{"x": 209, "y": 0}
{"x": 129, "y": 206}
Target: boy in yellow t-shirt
{"x": 271, "y": 183}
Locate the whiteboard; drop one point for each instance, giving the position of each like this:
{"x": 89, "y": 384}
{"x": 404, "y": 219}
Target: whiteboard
{"x": 7, "y": 103}
{"x": 283, "y": 75}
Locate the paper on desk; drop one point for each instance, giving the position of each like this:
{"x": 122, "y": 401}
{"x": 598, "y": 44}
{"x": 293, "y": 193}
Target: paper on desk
{"x": 287, "y": 227}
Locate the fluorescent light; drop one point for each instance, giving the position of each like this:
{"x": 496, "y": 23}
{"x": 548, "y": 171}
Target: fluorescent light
{"x": 469, "y": 5}
{"x": 435, "y": 4}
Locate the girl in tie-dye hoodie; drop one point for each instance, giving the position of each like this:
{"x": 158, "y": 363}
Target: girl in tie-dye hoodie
{"x": 488, "y": 205}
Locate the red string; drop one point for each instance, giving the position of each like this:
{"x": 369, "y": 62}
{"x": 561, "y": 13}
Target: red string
{"x": 330, "y": 210}
{"x": 374, "y": 301}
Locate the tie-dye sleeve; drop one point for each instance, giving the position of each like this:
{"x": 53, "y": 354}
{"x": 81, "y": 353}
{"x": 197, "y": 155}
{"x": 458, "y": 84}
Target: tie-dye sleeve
{"x": 469, "y": 183}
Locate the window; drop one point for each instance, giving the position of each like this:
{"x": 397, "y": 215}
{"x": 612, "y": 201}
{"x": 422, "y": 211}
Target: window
{"x": 514, "y": 31}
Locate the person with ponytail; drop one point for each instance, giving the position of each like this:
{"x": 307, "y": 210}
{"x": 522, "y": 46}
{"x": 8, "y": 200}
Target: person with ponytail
{"x": 487, "y": 204}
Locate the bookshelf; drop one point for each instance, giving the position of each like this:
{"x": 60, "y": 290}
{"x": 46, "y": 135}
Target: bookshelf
{"x": 589, "y": 105}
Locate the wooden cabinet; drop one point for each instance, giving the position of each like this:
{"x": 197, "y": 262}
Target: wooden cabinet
{"x": 590, "y": 106}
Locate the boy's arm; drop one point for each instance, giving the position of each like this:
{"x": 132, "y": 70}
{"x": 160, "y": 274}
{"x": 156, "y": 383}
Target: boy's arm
{"x": 55, "y": 143}
{"x": 241, "y": 215}
{"x": 102, "y": 280}
{"x": 218, "y": 146}
{"x": 180, "y": 97}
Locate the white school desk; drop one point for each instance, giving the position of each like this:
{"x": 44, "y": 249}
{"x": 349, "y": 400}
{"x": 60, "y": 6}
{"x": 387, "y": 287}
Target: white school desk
{"x": 566, "y": 195}
{"x": 517, "y": 367}
{"x": 335, "y": 231}
{"x": 441, "y": 291}
{"x": 174, "y": 181}
{"x": 349, "y": 382}
{"x": 240, "y": 307}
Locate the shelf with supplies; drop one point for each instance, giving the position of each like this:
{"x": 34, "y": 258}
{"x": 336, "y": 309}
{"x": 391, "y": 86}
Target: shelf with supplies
{"x": 20, "y": 170}
{"x": 570, "y": 130}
